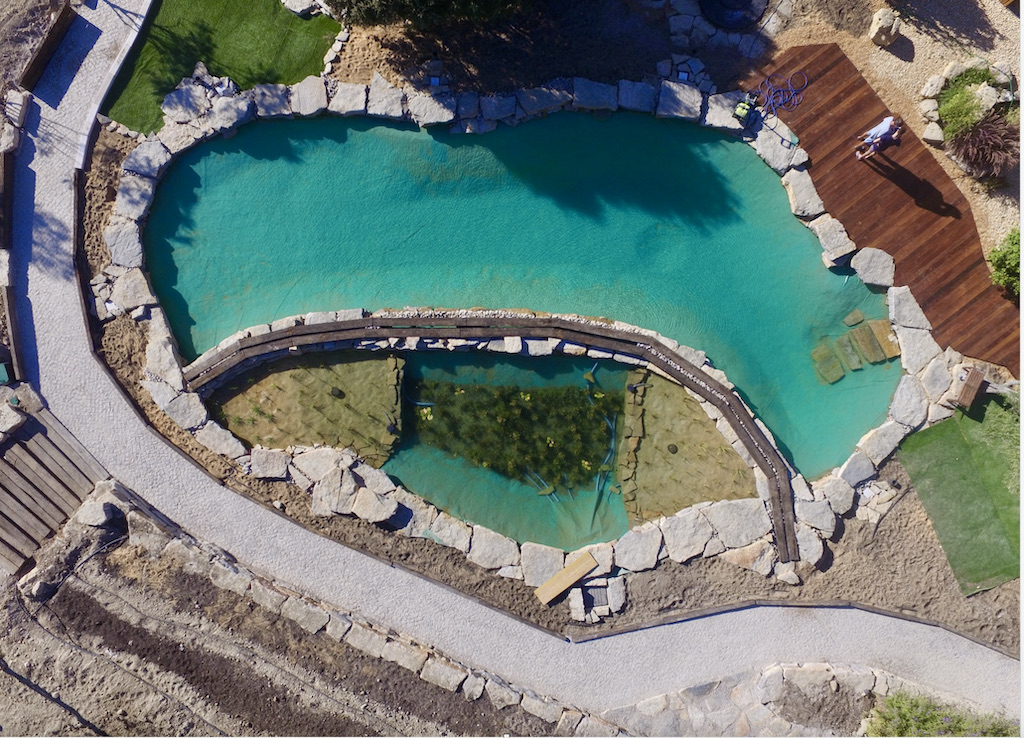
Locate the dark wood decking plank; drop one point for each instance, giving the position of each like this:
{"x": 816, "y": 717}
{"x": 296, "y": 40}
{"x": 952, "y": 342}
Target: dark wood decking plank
{"x": 40, "y": 478}
{"x": 937, "y": 251}
{"x": 58, "y": 465}
{"x": 43, "y": 507}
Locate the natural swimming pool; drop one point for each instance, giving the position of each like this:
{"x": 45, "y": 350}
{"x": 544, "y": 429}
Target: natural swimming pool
{"x": 657, "y": 223}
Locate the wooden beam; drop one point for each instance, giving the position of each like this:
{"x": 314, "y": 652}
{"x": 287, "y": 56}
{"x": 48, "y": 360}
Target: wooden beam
{"x": 574, "y": 571}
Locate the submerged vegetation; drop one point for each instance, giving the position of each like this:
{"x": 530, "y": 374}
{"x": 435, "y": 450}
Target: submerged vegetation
{"x": 550, "y": 437}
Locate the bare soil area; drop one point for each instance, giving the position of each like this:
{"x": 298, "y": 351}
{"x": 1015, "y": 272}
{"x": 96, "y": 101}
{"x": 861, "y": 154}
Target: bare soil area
{"x": 133, "y": 645}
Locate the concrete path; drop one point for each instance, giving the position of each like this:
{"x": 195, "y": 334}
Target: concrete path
{"x": 595, "y": 676}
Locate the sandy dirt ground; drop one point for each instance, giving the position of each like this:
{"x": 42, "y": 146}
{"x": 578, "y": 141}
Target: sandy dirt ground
{"x": 95, "y": 659}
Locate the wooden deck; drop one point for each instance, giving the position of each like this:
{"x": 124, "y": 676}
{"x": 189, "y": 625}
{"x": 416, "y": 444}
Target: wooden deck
{"x": 45, "y": 473}
{"x": 903, "y": 203}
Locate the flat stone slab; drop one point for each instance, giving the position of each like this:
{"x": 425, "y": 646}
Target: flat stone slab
{"x": 492, "y": 550}
{"x": 540, "y": 563}
{"x": 186, "y": 103}
{"x": 818, "y": 514}
{"x": 679, "y": 100}
{"x": 857, "y": 469}
{"x": 349, "y": 99}
{"x": 316, "y": 463}
{"x": 547, "y": 711}
{"x": 265, "y": 597}
{"x": 904, "y": 309}
{"x": 773, "y": 142}
{"x": 917, "y": 348}
{"x": 148, "y": 159}
{"x": 272, "y": 100}
{"x": 220, "y": 440}
{"x": 830, "y": 232}
{"x": 501, "y": 695}
{"x": 880, "y": 443}
{"x": 686, "y": 534}
{"x": 421, "y": 513}
{"x": 451, "y": 532}
{"x": 759, "y": 557}
{"x": 307, "y": 616}
{"x": 384, "y": 99}
{"x": 309, "y": 97}
{"x": 372, "y": 507}
{"x": 178, "y": 136}
{"x": 909, "y": 402}
{"x": 738, "y": 522}
{"x": 874, "y": 267}
{"x": 589, "y": 95}
{"x": 428, "y": 110}
{"x": 638, "y": 96}
{"x": 540, "y": 100}
{"x": 809, "y": 544}
{"x": 134, "y": 196}
{"x": 335, "y": 493}
{"x": 638, "y": 549}
{"x": 720, "y": 108}
{"x": 131, "y": 290}
{"x": 838, "y": 493}
{"x": 406, "y": 655}
{"x": 230, "y": 112}
{"x": 496, "y": 107}
{"x": 936, "y": 379}
{"x": 187, "y": 410}
{"x": 443, "y": 673}
{"x": 803, "y": 197}
{"x": 268, "y": 463}
{"x": 124, "y": 242}
{"x": 366, "y": 640}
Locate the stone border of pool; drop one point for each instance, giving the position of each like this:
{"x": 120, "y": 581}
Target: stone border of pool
{"x": 202, "y": 106}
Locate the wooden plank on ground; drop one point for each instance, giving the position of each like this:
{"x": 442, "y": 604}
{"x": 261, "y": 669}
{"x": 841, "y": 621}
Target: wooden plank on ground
{"x": 969, "y": 391}
{"x": 21, "y": 516}
{"x": 26, "y": 464}
{"x": 48, "y": 510}
{"x": 10, "y": 560}
{"x": 16, "y": 538}
{"x": 72, "y": 447}
{"x": 59, "y": 465}
{"x": 568, "y": 576}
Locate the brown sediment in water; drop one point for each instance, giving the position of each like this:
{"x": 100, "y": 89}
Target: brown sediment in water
{"x": 333, "y": 398}
{"x": 680, "y": 457}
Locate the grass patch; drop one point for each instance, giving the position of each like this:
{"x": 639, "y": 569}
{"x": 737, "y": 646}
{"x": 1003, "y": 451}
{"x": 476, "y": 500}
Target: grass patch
{"x": 903, "y": 714}
{"x": 967, "y": 472}
{"x": 959, "y": 109}
{"x": 252, "y": 42}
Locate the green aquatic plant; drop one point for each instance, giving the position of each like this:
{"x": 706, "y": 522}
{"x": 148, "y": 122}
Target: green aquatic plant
{"x": 552, "y": 438}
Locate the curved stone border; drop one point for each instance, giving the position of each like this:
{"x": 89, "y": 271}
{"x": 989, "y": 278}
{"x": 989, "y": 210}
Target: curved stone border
{"x": 203, "y": 106}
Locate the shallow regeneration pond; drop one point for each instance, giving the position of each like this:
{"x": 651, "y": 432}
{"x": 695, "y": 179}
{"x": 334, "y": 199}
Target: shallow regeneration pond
{"x": 657, "y": 223}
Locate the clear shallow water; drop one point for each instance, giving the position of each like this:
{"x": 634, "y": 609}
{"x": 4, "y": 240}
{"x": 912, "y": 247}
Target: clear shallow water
{"x": 510, "y": 506}
{"x": 654, "y": 222}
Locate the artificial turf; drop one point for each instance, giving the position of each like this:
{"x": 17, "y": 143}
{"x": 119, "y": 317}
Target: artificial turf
{"x": 251, "y": 41}
{"x": 966, "y": 471}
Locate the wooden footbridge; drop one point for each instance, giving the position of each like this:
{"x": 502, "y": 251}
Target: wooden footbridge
{"x": 213, "y": 367}
{"x": 45, "y": 474}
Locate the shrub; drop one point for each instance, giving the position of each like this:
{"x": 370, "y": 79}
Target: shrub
{"x": 903, "y": 714}
{"x": 989, "y": 147}
{"x": 423, "y": 14}
{"x": 958, "y": 108}
{"x": 1005, "y": 262}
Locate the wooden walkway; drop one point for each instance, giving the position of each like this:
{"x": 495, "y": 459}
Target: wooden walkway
{"x": 45, "y": 474}
{"x": 903, "y": 203}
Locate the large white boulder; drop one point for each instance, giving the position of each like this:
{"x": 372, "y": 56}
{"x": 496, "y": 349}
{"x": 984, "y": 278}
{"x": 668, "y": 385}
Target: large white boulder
{"x": 738, "y": 522}
{"x": 679, "y": 100}
{"x": 686, "y": 534}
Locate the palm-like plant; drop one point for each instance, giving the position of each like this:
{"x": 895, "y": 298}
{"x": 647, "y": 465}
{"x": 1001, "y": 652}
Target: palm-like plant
{"x": 991, "y": 147}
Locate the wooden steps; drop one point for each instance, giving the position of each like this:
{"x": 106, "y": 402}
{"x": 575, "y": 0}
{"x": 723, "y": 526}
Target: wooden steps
{"x": 45, "y": 473}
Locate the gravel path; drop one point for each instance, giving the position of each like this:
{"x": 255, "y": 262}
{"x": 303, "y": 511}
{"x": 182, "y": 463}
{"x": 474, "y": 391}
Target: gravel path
{"x": 597, "y": 675}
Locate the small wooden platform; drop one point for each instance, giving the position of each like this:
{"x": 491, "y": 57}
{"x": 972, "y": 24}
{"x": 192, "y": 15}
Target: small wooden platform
{"x": 45, "y": 473}
{"x": 970, "y": 389}
{"x": 902, "y": 202}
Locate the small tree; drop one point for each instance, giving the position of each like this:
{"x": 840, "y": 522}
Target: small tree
{"x": 1005, "y": 262}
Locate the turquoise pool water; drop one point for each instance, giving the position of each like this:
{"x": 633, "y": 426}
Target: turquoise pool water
{"x": 654, "y": 222}
{"x": 479, "y": 495}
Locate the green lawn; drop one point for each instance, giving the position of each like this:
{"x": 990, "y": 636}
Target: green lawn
{"x": 967, "y": 473}
{"x": 251, "y": 41}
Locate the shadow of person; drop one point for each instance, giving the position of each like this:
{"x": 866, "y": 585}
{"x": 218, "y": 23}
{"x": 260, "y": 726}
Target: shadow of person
{"x": 925, "y": 194}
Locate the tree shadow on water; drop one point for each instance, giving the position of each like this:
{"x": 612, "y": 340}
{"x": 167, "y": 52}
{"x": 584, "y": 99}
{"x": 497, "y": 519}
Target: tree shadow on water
{"x": 662, "y": 167}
